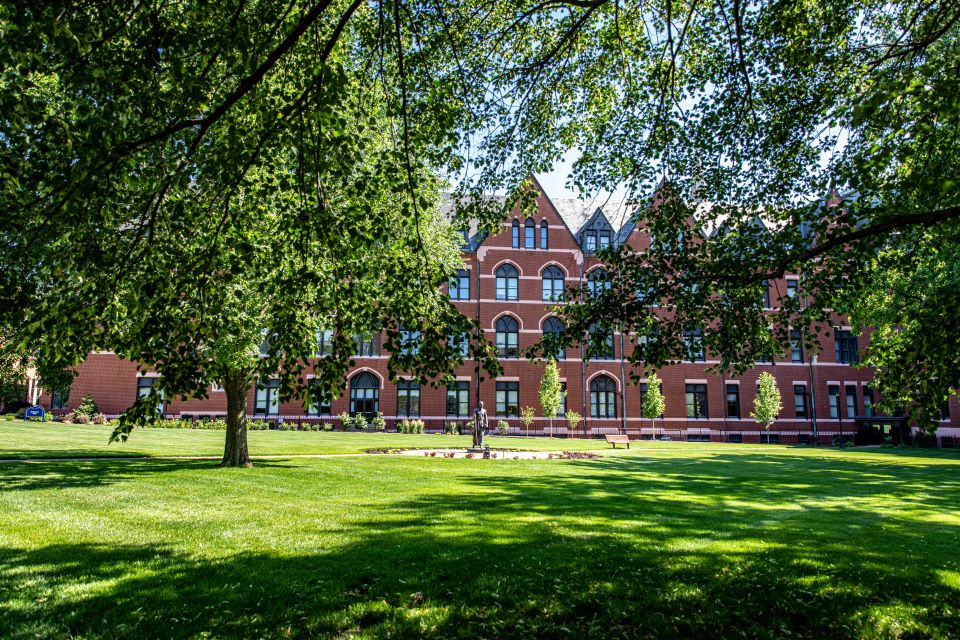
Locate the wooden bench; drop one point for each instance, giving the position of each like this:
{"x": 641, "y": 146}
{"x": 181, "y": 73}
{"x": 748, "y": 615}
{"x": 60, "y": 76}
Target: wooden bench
{"x": 618, "y": 439}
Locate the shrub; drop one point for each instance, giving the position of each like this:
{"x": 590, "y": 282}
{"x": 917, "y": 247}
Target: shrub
{"x": 573, "y": 419}
{"x": 98, "y": 418}
{"x": 503, "y": 427}
{"x": 327, "y": 426}
{"x": 360, "y": 422}
{"x": 87, "y": 407}
{"x": 378, "y": 423}
{"x": 924, "y": 439}
{"x": 410, "y": 426}
{"x": 453, "y": 428}
{"x": 69, "y": 418}
{"x": 345, "y": 420}
{"x": 21, "y": 412}
{"x": 82, "y": 419}
{"x": 10, "y": 416}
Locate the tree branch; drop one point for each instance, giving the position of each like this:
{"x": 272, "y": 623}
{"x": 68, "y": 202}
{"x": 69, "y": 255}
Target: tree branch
{"x": 891, "y": 224}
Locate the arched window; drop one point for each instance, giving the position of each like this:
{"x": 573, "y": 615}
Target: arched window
{"x": 516, "y": 233}
{"x": 597, "y": 281}
{"x": 603, "y": 397}
{"x": 544, "y": 235}
{"x": 553, "y": 326}
{"x": 601, "y": 343}
{"x": 508, "y": 337}
{"x": 529, "y": 234}
{"x": 552, "y": 283}
{"x": 364, "y": 394}
{"x": 507, "y": 282}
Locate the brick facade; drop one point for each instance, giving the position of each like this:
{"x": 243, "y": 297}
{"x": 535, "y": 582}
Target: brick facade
{"x": 113, "y": 382}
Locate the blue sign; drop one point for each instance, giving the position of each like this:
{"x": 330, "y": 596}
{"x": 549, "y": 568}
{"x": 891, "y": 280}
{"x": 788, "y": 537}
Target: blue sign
{"x": 36, "y": 412}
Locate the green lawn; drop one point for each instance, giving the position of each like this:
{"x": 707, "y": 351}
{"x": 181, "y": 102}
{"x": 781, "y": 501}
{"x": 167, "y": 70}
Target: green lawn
{"x": 19, "y": 439}
{"x": 665, "y": 540}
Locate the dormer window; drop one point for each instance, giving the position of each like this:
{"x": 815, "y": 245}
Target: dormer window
{"x": 604, "y": 239}
{"x": 591, "y": 243}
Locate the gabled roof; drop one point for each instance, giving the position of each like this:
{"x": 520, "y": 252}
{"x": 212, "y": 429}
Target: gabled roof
{"x": 576, "y": 212}
{"x": 722, "y": 225}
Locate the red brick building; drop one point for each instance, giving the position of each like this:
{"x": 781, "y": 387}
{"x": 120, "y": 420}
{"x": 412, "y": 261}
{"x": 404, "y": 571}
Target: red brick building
{"x": 508, "y": 282}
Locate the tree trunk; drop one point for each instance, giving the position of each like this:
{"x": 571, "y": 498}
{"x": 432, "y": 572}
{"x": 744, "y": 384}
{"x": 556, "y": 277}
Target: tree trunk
{"x": 235, "y": 452}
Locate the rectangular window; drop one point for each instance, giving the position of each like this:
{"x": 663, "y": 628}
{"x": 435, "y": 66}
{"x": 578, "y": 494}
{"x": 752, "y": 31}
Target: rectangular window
{"x": 851, "y": 393}
{"x": 408, "y": 398}
{"x": 867, "y": 401}
{"x": 601, "y": 344}
{"x": 458, "y": 399}
{"x": 562, "y": 411}
{"x": 368, "y": 347}
{"x": 604, "y": 239}
{"x": 460, "y": 285}
{"x": 508, "y": 399}
{"x": 791, "y": 288}
{"x": 800, "y": 400}
{"x": 145, "y": 387}
{"x": 314, "y": 409}
{"x": 834, "y": 392}
{"x": 696, "y": 400}
{"x": 59, "y": 398}
{"x": 591, "y": 241}
{"x": 693, "y": 345}
{"x": 945, "y": 410}
{"x": 461, "y": 344}
{"x": 733, "y": 401}
{"x": 766, "y": 293}
{"x": 796, "y": 347}
{"x": 267, "y": 399}
{"x": 409, "y": 342}
{"x": 507, "y": 288}
{"x": 324, "y": 342}
{"x": 846, "y": 346}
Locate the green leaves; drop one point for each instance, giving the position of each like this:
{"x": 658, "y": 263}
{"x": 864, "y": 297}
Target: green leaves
{"x": 766, "y": 404}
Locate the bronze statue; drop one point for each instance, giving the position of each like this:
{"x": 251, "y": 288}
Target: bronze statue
{"x": 479, "y": 425}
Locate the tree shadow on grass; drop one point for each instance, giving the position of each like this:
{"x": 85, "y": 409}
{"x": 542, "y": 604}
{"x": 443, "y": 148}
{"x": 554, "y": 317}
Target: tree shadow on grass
{"x": 704, "y": 553}
{"x": 79, "y": 474}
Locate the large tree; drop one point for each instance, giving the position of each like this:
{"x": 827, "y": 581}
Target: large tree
{"x": 184, "y": 183}
{"x": 814, "y": 131}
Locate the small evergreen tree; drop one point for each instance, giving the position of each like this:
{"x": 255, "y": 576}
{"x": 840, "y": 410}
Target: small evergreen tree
{"x": 766, "y": 405}
{"x": 551, "y": 393}
{"x": 653, "y": 401}
{"x": 87, "y": 407}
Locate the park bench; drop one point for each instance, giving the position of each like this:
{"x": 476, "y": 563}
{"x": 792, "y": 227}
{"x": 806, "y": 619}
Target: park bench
{"x": 618, "y": 439}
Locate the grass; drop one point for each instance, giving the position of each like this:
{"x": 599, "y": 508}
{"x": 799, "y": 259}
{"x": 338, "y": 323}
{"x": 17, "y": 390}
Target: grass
{"x": 20, "y": 439}
{"x": 664, "y": 540}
